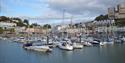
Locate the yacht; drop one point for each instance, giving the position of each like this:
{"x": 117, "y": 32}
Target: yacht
{"x": 77, "y": 45}
{"x": 86, "y": 43}
{"x": 41, "y": 48}
{"x": 65, "y": 46}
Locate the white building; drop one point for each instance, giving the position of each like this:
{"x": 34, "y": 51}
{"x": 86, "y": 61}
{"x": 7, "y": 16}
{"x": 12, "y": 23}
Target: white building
{"x": 19, "y": 29}
{"x": 104, "y": 25}
{"x": 6, "y": 25}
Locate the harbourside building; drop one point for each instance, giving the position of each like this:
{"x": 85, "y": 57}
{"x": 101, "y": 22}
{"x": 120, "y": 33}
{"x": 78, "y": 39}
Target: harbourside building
{"x": 34, "y": 30}
{"x": 19, "y": 30}
{"x": 104, "y": 26}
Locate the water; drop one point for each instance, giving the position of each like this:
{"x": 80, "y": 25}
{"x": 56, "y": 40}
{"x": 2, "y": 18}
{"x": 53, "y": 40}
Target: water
{"x": 11, "y": 52}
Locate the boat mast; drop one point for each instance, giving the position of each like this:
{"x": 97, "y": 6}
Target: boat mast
{"x": 47, "y": 35}
{"x": 63, "y": 22}
{"x": 27, "y": 36}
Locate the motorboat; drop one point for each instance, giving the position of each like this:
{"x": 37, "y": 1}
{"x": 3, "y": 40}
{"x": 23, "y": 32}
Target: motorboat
{"x": 105, "y": 43}
{"x": 102, "y": 43}
{"x": 86, "y": 43}
{"x": 109, "y": 41}
{"x": 65, "y": 46}
{"x": 77, "y": 45}
{"x": 41, "y": 48}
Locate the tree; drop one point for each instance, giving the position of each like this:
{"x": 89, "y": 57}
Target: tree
{"x": 120, "y": 22}
{"x": 76, "y": 25}
{"x": 35, "y": 24}
{"x": 4, "y": 18}
{"x": 101, "y": 17}
{"x": 20, "y": 23}
{"x": 31, "y": 26}
{"x": 1, "y": 30}
{"x": 26, "y": 21}
{"x": 12, "y": 30}
{"x": 16, "y": 19}
{"x": 47, "y": 26}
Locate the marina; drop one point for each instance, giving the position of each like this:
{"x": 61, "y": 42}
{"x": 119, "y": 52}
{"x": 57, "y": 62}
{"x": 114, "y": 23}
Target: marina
{"x": 62, "y": 31}
{"x": 12, "y": 52}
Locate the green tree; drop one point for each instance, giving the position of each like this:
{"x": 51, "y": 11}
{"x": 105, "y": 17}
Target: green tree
{"x": 18, "y": 19}
{"x": 20, "y": 23}
{"x": 120, "y": 22}
{"x": 76, "y": 25}
{"x": 101, "y": 17}
{"x": 35, "y": 24}
{"x": 26, "y": 21}
{"x": 31, "y": 26}
{"x": 47, "y": 26}
{"x": 4, "y": 18}
{"x": 12, "y": 30}
{"x": 1, "y": 30}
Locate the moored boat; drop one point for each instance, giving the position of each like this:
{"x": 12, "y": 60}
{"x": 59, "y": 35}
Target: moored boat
{"x": 77, "y": 45}
{"x": 65, "y": 46}
{"x": 42, "y": 48}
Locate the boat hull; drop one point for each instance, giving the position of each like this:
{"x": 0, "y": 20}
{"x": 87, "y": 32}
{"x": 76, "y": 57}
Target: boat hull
{"x": 38, "y": 48}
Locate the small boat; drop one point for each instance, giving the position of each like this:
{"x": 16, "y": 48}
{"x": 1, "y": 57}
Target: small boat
{"x": 77, "y": 45}
{"x": 87, "y": 43}
{"x": 42, "y": 48}
{"x": 105, "y": 43}
{"x": 95, "y": 42}
{"x": 102, "y": 43}
{"x": 20, "y": 40}
{"x": 108, "y": 42}
{"x": 3, "y": 38}
{"x": 65, "y": 46}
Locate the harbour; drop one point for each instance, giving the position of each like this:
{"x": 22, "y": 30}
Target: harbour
{"x": 62, "y": 31}
{"x": 11, "y": 52}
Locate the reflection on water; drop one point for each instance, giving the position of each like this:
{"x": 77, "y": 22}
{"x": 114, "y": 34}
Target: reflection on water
{"x": 11, "y": 52}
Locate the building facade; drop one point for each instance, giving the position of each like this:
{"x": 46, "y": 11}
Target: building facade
{"x": 118, "y": 12}
{"x": 6, "y": 25}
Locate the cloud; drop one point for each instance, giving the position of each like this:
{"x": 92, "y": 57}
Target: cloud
{"x": 55, "y": 17}
{"x": 83, "y": 7}
{"x": 51, "y": 11}
{"x": 48, "y": 16}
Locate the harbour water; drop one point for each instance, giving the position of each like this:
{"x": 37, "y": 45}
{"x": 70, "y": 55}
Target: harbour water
{"x": 11, "y": 52}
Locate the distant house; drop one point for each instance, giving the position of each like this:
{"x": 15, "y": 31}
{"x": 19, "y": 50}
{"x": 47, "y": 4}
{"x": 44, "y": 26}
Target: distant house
{"x": 104, "y": 25}
{"x": 34, "y": 30}
{"x": 7, "y": 25}
{"x": 19, "y": 29}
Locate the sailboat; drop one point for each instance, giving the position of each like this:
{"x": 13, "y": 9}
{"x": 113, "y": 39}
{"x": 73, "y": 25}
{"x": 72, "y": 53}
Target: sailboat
{"x": 65, "y": 46}
{"x": 41, "y": 48}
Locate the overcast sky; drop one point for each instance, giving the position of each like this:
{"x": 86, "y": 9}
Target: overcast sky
{"x": 51, "y": 11}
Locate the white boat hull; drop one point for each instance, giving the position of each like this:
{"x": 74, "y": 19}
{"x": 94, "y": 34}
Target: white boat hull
{"x": 87, "y": 44}
{"x": 38, "y": 48}
{"x": 77, "y": 45}
{"x": 66, "y": 47}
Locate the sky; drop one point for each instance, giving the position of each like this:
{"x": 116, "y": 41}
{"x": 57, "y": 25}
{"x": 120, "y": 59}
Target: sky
{"x": 52, "y": 11}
